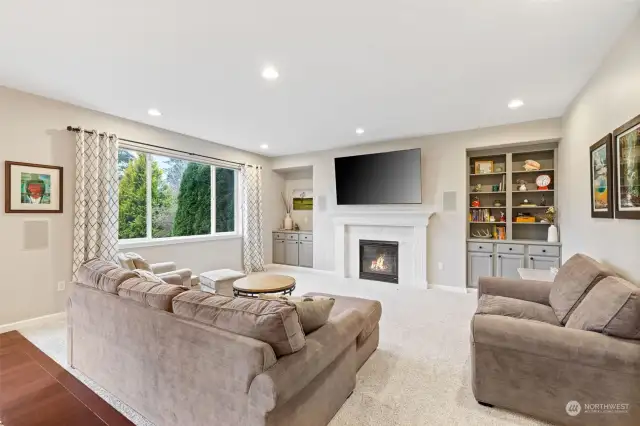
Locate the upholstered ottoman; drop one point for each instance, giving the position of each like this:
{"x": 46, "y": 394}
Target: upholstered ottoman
{"x": 220, "y": 281}
{"x": 367, "y": 340}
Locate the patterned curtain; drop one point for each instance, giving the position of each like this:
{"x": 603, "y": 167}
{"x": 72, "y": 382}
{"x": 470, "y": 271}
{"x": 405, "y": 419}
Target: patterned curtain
{"x": 95, "y": 232}
{"x": 253, "y": 248}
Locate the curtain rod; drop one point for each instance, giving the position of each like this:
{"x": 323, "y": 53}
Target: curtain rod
{"x": 77, "y": 129}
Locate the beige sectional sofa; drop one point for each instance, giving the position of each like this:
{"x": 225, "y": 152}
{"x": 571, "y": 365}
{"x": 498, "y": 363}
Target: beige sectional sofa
{"x": 567, "y": 352}
{"x": 178, "y": 369}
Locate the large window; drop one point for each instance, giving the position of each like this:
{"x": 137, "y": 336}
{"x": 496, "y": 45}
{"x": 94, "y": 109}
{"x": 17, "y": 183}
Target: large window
{"x": 164, "y": 197}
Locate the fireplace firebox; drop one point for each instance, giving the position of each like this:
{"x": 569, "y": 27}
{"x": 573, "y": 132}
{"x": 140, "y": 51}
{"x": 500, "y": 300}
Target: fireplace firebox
{"x": 379, "y": 260}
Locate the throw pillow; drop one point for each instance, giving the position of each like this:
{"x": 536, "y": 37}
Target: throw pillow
{"x": 155, "y": 294}
{"x": 149, "y": 276}
{"x": 313, "y": 310}
{"x": 138, "y": 261}
{"x": 612, "y": 308}
{"x": 103, "y": 275}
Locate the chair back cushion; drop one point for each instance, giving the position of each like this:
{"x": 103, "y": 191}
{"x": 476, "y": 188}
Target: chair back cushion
{"x": 612, "y": 308}
{"x": 313, "y": 311}
{"x": 103, "y": 275}
{"x": 274, "y": 322}
{"x": 572, "y": 283}
{"x": 155, "y": 294}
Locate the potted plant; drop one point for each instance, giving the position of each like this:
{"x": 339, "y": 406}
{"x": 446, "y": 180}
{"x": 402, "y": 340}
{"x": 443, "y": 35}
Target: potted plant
{"x": 549, "y": 216}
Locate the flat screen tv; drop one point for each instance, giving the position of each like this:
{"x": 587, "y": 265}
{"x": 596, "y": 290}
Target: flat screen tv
{"x": 384, "y": 178}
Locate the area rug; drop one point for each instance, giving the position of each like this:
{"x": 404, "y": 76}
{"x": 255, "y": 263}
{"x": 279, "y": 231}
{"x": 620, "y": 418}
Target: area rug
{"x": 420, "y": 374}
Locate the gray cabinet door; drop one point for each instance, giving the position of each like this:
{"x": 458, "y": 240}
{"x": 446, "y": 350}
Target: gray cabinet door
{"x": 479, "y": 265}
{"x": 291, "y": 253}
{"x": 508, "y": 265}
{"x": 305, "y": 254}
{"x": 543, "y": 262}
{"x": 278, "y": 251}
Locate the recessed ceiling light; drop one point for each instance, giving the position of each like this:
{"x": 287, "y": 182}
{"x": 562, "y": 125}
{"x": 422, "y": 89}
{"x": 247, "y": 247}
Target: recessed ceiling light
{"x": 270, "y": 73}
{"x": 359, "y": 131}
{"x": 264, "y": 146}
{"x": 154, "y": 112}
{"x": 515, "y": 104}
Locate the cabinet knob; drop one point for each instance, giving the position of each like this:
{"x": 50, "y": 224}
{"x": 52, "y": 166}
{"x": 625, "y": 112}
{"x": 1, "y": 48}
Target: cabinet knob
{"x": 510, "y": 248}
{"x": 531, "y": 258}
{"x": 544, "y": 251}
{"x": 500, "y": 256}
{"x": 490, "y": 255}
{"x": 480, "y": 247}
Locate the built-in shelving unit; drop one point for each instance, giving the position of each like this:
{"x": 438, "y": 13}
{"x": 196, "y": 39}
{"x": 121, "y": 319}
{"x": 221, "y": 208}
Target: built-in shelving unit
{"x": 525, "y": 243}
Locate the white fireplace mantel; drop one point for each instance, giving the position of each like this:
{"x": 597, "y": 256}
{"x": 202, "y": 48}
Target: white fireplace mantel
{"x": 415, "y": 273}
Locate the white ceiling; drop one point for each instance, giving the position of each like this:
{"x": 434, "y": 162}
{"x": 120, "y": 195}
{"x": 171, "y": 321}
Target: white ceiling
{"x": 396, "y": 68}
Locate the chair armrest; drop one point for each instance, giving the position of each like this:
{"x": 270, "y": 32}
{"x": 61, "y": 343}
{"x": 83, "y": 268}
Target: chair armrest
{"x": 294, "y": 372}
{"x": 532, "y": 291}
{"x": 184, "y": 274}
{"x": 174, "y": 279}
{"x": 557, "y": 342}
{"x": 163, "y": 267}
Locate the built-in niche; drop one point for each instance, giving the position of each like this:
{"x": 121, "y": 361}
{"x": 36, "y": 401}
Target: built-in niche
{"x": 297, "y": 186}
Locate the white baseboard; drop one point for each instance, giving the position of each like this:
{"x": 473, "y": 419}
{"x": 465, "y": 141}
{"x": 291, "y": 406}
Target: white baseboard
{"x": 32, "y": 322}
{"x": 449, "y": 288}
{"x": 299, "y": 268}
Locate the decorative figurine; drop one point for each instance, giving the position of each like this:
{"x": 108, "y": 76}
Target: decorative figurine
{"x": 475, "y": 202}
{"x": 497, "y": 203}
{"x": 543, "y": 202}
{"x": 477, "y": 188}
{"x": 495, "y": 188}
{"x": 503, "y": 218}
{"x": 523, "y": 185}
{"x": 531, "y": 166}
{"x": 492, "y": 218}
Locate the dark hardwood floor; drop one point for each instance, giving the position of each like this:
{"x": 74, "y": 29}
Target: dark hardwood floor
{"x": 36, "y": 391}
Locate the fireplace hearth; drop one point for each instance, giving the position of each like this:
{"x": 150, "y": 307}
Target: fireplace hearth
{"x": 379, "y": 260}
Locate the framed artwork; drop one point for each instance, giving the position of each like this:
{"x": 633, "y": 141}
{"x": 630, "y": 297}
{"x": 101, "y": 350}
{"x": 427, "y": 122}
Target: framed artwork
{"x": 602, "y": 187}
{"x": 626, "y": 142}
{"x": 32, "y": 188}
{"x": 484, "y": 167}
{"x": 302, "y": 200}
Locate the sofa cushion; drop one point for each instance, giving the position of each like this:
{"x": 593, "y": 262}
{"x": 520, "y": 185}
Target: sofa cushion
{"x": 516, "y": 308}
{"x": 612, "y": 308}
{"x": 313, "y": 310}
{"x": 275, "y": 322}
{"x": 572, "y": 283}
{"x": 103, "y": 275}
{"x": 156, "y": 294}
{"x": 371, "y": 309}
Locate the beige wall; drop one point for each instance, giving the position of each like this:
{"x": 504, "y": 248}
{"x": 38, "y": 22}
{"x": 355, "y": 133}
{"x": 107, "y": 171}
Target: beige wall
{"x": 611, "y": 98}
{"x": 32, "y": 129}
{"x": 444, "y": 169}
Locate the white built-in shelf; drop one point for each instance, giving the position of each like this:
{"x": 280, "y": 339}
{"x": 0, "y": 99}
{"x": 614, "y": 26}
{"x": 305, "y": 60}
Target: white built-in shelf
{"x": 488, "y": 174}
{"x": 530, "y": 223}
{"x": 489, "y": 192}
{"x": 533, "y": 191}
{"x": 492, "y": 207}
{"x": 493, "y": 223}
{"x": 533, "y": 171}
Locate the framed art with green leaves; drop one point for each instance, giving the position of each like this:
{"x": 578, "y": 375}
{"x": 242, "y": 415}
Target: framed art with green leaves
{"x": 626, "y": 142}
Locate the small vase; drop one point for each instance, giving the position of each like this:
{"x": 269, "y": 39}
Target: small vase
{"x": 288, "y": 222}
{"x": 552, "y": 235}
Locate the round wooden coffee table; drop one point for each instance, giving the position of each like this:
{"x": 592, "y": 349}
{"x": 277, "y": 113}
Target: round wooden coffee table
{"x": 254, "y": 285}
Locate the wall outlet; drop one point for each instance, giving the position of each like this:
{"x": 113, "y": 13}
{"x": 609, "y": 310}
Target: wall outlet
{"x": 61, "y": 285}
{"x": 440, "y": 266}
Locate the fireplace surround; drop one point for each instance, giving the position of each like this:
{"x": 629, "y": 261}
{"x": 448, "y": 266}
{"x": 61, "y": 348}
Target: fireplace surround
{"x": 379, "y": 260}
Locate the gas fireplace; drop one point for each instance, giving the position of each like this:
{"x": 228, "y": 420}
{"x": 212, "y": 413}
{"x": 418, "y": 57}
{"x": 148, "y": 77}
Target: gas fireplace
{"x": 379, "y": 260}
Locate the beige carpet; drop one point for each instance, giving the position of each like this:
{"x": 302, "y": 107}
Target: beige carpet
{"x": 418, "y": 376}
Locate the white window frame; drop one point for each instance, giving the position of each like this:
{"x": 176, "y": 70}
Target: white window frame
{"x": 149, "y": 241}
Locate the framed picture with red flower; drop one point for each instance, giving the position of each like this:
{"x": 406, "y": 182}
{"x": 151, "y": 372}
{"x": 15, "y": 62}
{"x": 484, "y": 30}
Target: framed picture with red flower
{"x": 32, "y": 188}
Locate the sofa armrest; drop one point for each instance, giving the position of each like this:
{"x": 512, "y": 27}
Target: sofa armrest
{"x": 174, "y": 279}
{"x": 294, "y": 372}
{"x": 551, "y": 341}
{"x": 163, "y": 267}
{"x": 532, "y": 291}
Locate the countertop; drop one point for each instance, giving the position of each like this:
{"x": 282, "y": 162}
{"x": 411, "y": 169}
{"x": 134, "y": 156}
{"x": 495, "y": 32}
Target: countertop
{"x": 293, "y": 232}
